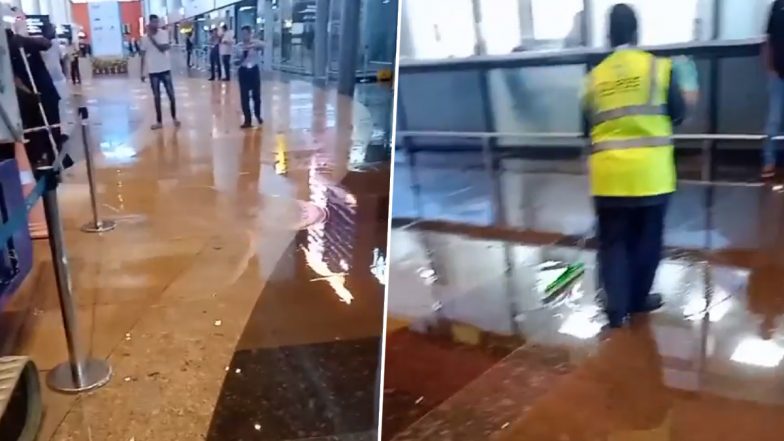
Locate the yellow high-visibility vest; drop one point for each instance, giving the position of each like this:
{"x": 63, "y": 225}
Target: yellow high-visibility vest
{"x": 631, "y": 133}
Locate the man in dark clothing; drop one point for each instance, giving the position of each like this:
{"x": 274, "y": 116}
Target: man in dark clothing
{"x": 773, "y": 51}
{"x": 189, "y": 49}
{"x": 248, "y": 59}
{"x": 215, "y": 62}
{"x": 632, "y": 165}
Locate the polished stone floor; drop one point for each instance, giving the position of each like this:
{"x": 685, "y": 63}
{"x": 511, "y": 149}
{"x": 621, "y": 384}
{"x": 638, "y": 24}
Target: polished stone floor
{"x": 476, "y": 350}
{"x": 241, "y": 295}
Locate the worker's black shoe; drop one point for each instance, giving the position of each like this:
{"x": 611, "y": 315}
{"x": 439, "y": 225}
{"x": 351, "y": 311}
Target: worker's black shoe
{"x": 616, "y": 320}
{"x": 652, "y": 303}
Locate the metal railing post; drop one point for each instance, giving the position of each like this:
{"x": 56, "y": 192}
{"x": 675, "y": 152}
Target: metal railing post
{"x": 96, "y": 225}
{"x": 79, "y": 373}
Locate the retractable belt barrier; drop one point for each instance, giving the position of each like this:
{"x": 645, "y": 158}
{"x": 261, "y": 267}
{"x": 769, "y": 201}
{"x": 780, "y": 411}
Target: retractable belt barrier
{"x": 78, "y": 373}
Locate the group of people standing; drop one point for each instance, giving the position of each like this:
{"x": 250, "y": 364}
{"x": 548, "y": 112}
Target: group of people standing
{"x": 224, "y": 51}
{"x": 221, "y": 48}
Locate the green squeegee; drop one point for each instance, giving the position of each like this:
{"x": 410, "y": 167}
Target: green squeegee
{"x": 567, "y": 277}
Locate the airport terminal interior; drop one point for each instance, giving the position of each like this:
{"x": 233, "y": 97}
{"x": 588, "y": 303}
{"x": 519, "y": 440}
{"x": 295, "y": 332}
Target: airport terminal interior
{"x": 241, "y": 294}
{"x": 374, "y": 260}
{"x": 491, "y": 202}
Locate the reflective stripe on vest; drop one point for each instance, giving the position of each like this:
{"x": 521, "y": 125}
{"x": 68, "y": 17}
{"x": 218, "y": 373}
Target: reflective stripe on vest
{"x": 651, "y": 141}
{"x": 648, "y": 109}
{"x": 644, "y": 110}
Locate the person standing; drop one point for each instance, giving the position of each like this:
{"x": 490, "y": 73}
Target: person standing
{"x": 226, "y": 49}
{"x": 215, "y": 71}
{"x": 773, "y": 52}
{"x": 248, "y": 56}
{"x": 189, "y": 49}
{"x": 73, "y": 54}
{"x": 631, "y": 104}
{"x": 155, "y": 57}
{"x": 53, "y": 58}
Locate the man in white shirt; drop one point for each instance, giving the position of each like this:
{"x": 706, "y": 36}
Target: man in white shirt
{"x": 53, "y": 59}
{"x": 155, "y": 58}
{"x": 226, "y": 49}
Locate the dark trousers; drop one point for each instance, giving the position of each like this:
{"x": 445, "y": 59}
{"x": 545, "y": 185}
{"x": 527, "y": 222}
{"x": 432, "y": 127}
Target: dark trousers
{"x": 76, "y": 76}
{"x": 215, "y": 71}
{"x": 250, "y": 89}
{"x": 188, "y": 55}
{"x": 165, "y": 78}
{"x": 630, "y": 248}
{"x": 226, "y": 67}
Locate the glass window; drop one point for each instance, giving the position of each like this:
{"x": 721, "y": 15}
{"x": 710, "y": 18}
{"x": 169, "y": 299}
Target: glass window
{"x": 743, "y": 18}
{"x": 379, "y": 30}
{"x": 437, "y": 29}
{"x": 555, "y": 20}
{"x": 659, "y": 23}
{"x": 500, "y": 26}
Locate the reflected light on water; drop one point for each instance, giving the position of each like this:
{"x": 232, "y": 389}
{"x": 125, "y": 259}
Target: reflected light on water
{"x": 117, "y": 151}
{"x": 379, "y": 267}
{"x": 695, "y": 309}
{"x": 337, "y": 282}
{"x": 317, "y": 238}
{"x": 583, "y": 324}
{"x": 755, "y": 351}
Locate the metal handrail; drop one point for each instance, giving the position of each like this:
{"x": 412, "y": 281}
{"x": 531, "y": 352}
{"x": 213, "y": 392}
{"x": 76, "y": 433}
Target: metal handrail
{"x": 572, "y": 136}
{"x": 558, "y": 57}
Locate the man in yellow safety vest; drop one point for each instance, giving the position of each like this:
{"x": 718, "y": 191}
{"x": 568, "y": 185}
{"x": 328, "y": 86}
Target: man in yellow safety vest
{"x": 631, "y": 104}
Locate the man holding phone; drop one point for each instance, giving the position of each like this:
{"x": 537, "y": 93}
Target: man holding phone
{"x": 155, "y": 58}
{"x": 248, "y": 57}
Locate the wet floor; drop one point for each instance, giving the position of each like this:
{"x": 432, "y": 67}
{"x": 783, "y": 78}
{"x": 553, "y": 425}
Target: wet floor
{"x": 477, "y": 350}
{"x": 241, "y": 260}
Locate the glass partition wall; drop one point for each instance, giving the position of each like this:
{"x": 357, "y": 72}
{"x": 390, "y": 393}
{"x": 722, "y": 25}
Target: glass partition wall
{"x": 294, "y": 25}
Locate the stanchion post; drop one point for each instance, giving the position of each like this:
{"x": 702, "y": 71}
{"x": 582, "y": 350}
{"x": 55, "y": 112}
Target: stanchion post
{"x": 96, "y": 225}
{"x": 79, "y": 373}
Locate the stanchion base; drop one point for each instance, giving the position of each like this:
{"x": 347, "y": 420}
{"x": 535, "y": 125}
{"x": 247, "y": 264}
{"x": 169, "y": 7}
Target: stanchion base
{"x": 101, "y": 227}
{"x": 96, "y": 374}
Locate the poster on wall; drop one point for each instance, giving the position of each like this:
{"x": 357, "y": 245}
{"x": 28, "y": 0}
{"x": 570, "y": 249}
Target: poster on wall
{"x": 65, "y": 31}
{"x": 105, "y": 28}
{"x": 35, "y": 24}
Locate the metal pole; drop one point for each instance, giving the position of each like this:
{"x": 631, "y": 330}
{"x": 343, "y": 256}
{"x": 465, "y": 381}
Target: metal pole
{"x": 79, "y": 373}
{"x": 97, "y": 225}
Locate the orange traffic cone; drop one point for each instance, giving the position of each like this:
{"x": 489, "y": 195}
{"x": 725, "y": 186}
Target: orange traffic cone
{"x": 36, "y": 222}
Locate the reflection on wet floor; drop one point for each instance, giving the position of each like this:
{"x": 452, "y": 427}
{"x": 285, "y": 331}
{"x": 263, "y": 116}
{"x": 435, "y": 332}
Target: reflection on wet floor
{"x": 476, "y": 350}
{"x": 307, "y": 364}
{"x": 549, "y": 201}
{"x": 243, "y": 268}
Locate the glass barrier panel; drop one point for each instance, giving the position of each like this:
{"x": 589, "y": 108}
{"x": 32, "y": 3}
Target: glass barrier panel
{"x": 544, "y": 202}
{"x": 742, "y": 95}
{"x": 445, "y": 185}
{"x": 536, "y": 99}
{"x": 443, "y": 101}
